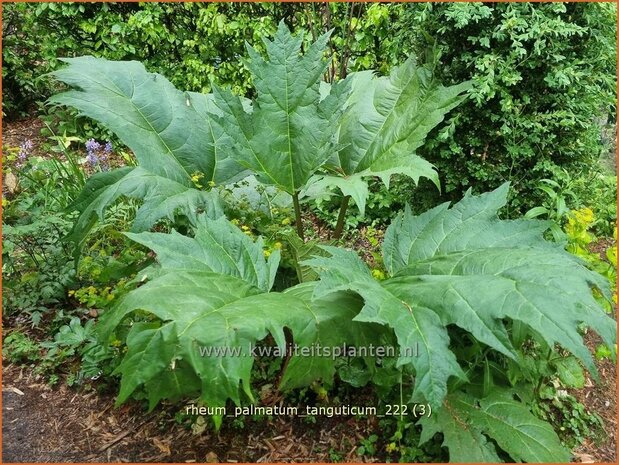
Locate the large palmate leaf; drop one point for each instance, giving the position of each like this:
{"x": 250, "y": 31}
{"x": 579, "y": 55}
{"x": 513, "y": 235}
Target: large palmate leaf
{"x": 464, "y": 266}
{"x": 289, "y": 131}
{"x": 170, "y": 132}
{"x": 467, "y": 422}
{"x": 211, "y": 306}
{"x": 162, "y": 198}
{"x": 386, "y": 120}
{"x": 217, "y": 246}
{"x": 420, "y": 328}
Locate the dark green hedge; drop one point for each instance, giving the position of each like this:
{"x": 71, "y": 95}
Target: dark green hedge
{"x": 544, "y": 74}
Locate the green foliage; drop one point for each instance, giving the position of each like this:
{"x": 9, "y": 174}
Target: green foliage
{"x": 36, "y": 268}
{"x": 368, "y": 446}
{"x": 19, "y": 348}
{"x": 152, "y": 32}
{"x": 465, "y": 421}
{"x": 74, "y": 339}
{"x": 220, "y": 289}
{"x": 543, "y": 74}
{"x": 184, "y": 139}
{"x": 497, "y": 273}
{"x": 467, "y": 300}
{"x": 490, "y": 270}
{"x": 217, "y": 246}
{"x": 287, "y": 134}
{"x": 543, "y": 86}
{"x": 579, "y": 242}
{"x": 575, "y": 423}
{"x": 168, "y": 131}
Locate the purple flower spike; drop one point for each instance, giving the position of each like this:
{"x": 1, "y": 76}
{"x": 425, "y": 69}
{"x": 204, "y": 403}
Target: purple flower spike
{"x": 92, "y": 145}
{"x": 92, "y": 159}
{"x": 24, "y": 151}
{"x": 108, "y": 148}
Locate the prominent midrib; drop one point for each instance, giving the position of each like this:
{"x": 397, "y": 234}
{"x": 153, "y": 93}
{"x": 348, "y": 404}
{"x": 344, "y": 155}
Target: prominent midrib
{"x": 116, "y": 90}
{"x": 378, "y": 132}
{"x": 292, "y": 183}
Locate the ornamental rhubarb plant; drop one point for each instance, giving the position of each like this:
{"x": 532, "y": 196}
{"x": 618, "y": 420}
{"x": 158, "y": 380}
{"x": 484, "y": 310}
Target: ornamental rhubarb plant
{"x": 299, "y": 131}
{"x": 464, "y": 298}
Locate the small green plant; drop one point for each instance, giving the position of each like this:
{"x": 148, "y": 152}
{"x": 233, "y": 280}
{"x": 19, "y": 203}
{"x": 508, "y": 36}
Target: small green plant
{"x": 74, "y": 340}
{"x": 335, "y": 455}
{"x": 575, "y": 423}
{"x": 17, "y": 347}
{"x": 36, "y": 264}
{"x": 368, "y": 446}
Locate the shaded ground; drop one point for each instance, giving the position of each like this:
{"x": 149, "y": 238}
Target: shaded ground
{"x": 17, "y": 132}
{"x": 41, "y": 424}
{"x": 600, "y": 398}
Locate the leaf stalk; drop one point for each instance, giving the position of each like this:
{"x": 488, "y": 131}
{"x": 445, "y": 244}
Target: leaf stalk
{"x": 297, "y": 214}
{"x": 339, "y": 227}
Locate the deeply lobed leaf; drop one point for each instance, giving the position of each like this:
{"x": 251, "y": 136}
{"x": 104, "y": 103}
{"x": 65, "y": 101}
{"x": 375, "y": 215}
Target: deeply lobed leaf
{"x": 170, "y": 132}
{"x": 209, "y": 294}
{"x": 217, "y": 246}
{"x": 467, "y": 423}
{"x": 464, "y": 266}
{"x": 289, "y": 131}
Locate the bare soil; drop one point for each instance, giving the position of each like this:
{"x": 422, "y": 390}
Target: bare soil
{"x": 600, "y": 397}
{"x": 44, "y": 424}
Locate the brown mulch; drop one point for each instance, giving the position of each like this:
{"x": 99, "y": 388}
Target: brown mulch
{"x": 600, "y": 397}
{"x": 17, "y": 132}
{"x": 44, "y": 424}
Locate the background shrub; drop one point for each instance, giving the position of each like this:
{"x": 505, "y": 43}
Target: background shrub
{"x": 544, "y": 74}
{"x": 544, "y": 89}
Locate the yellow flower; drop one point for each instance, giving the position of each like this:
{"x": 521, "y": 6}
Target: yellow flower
{"x": 583, "y": 216}
{"x": 267, "y": 253}
{"x": 277, "y": 245}
{"x": 235, "y": 221}
{"x": 391, "y": 447}
{"x": 378, "y": 274}
{"x": 196, "y": 177}
{"x": 286, "y": 221}
{"x": 245, "y": 228}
